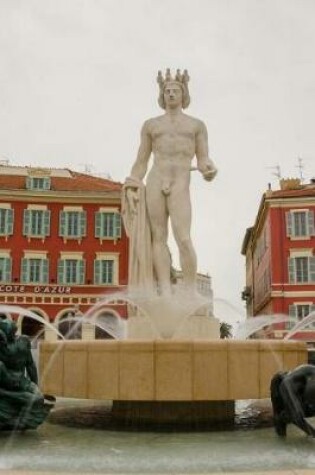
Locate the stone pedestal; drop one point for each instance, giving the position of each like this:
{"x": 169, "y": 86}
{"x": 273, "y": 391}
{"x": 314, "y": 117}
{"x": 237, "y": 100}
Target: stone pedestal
{"x": 199, "y": 327}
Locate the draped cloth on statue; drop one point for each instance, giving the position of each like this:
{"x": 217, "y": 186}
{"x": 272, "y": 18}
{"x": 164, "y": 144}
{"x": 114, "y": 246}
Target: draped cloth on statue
{"x": 140, "y": 243}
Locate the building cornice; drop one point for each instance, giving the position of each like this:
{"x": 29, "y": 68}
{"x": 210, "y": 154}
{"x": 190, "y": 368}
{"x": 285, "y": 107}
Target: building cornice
{"x": 61, "y": 196}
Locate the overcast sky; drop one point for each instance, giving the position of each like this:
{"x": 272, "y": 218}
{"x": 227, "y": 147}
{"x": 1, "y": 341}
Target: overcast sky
{"x": 78, "y": 79}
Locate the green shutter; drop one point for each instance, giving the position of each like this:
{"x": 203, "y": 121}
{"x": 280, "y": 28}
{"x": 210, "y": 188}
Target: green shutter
{"x": 288, "y": 220}
{"x": 27, "y": 222}
{"x": 62, "y": 223}
{"x": 82, "y": 217}
{"x": 311, "y": 227}
{"x": 291, "y": 270}
{"x": 98, "y": 224}
{"x": 292, "y": 311}
{"x": 7, "y": 269}
{"x": 9, "y": 221}
{"x": 24, "y": 271}
{"x": 61, "y": 271}
{"x": 117, "y": 223}
{"x": 46, "y": 223}
{"x": 97, "y": 271}
{"x": 28, "y": 183}
{"x": 45, "y": 271}
{"x": 81, "y": 269}
{"x": 46, "y": 183}
{"x": 311, "y": 261}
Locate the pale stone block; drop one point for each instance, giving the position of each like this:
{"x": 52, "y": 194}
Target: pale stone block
{"x": 140, "y": 327}
{"x": 103, "y": 369}
{"x": 243, "y": 369}
{"x": 271, "y": 360}
{"x": 173, "y": 370}
{"x": 136, "y": 370}
{"x": 75, "y": 369}
{"x": 210, "y": 371}
{"x": 199, "y": 327}
{"x": 50, "y": 334}
{"x": 51, "y": 367}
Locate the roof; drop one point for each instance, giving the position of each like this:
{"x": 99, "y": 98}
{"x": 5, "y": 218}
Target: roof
{"x": 307, "y": 190}
{"x": 61, "y": 180}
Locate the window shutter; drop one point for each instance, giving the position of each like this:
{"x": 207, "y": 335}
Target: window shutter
{"x": 9, "y": 221}
{"x": 117, "y": 232}
{"x": 312, "y": 308}
{"x": 312, "y": 268}
{"x": 97, "y": 271}
{"x": 292, "y": 311}
{"x": 28, "y": 183}
{"x": 27, "y": 222}
{"x": 46, "y": 183}
{"x": 311, "y": 227}
{"x": 7, "y": 269}
{"x": 81, "y": 269}
{"x": 289, "y": 223}
{"x": 61, "y": 271}
{"x": 45, "y": 271}
{"x": 46, "y": 223}
{"x": 24, "y": 270}
{"x": 83, "y": 223}
{"x": 291, "y": 270}
{"x": 62, "y": 223}
{"x": 98, "y": 224}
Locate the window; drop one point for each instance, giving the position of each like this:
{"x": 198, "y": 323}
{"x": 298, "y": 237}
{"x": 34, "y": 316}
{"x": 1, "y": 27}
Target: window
{"x": 104, "y": 271}
{"x": 37, "y": 183}
{"x": 299, "y": 312}
{"x": 36, "y": 222}
{"x": 34, "y": 271}
{"x": 300, "y": 223}
{"x": 6, "y": 221}
{"x": 301, "y": 269}
{"x": 71, "y": 271}
{"x": 72, "y": 224}
{"x": 107, "y": 225}
{"x": 5, "y": 269}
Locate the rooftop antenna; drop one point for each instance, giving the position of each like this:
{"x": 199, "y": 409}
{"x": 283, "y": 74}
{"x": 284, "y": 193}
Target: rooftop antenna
{"x": 277, "y": 171}
{"x": 300, "y": 166}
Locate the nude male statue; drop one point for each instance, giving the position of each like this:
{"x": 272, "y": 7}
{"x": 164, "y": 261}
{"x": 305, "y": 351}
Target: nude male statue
{"x": 173, "y": 138}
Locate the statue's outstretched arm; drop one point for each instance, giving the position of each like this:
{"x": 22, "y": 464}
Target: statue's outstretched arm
{"x": 205, "y": 164}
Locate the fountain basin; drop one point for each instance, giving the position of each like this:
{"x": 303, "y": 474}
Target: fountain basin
{"x": 217, "y": 370}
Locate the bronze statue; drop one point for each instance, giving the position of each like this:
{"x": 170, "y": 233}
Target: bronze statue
{"x": 22, "y": 405}
{"x": 293, "y": 399}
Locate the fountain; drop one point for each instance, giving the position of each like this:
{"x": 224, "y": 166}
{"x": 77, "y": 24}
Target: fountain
{"x": 171, "y": 371}
{"x": 172, "y": 368}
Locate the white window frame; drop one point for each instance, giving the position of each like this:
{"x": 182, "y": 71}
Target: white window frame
{"x": 6, "y": 220}
{"x": 291, "y": 227}
{"x": 98, "y": 263}
{"x": 65, "y": 221}
{"x": 36, "y": 216}
{"x": 38, "y": 183}
{"x": 293, "y": 270}
{"x": 108, "y": 224}
{"x": 6, "y": 267}
{"x": 64, "y": 262}
{"x": 43, "y": 269}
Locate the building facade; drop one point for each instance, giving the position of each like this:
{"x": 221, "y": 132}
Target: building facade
{"x": 280, "y": 256}
{"x": 63, "y": 249}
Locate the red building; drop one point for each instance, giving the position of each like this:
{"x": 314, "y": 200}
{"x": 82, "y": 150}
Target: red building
{"x": 62, "y": 245}
{"x": 280, "y": 259}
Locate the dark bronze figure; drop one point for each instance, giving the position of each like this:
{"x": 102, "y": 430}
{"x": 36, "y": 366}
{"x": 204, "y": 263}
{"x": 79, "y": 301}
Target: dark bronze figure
{"x": 293, "y": 399}
{"x": 22, "y": 405}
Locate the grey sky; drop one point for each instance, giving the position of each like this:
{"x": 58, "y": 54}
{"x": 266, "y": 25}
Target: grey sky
{"x": 78, "y": 78}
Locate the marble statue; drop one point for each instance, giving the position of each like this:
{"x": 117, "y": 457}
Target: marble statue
{"x": 293, "y": 399}
{"x": 22, "y": 405}
{"x": 174, "y": 139}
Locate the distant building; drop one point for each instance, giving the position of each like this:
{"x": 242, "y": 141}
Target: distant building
{"x": 280, "y": 259}
{"x": 203, "y": 283}
{"x": 62, "y": 244}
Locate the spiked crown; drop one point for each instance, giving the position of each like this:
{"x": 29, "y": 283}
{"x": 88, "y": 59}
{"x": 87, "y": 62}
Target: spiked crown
{"x": 180, "y": 79}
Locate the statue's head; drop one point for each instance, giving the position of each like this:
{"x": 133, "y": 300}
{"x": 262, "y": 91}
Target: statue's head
{"x": 178, "y": 86}
{"x": 8, "y": 327}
